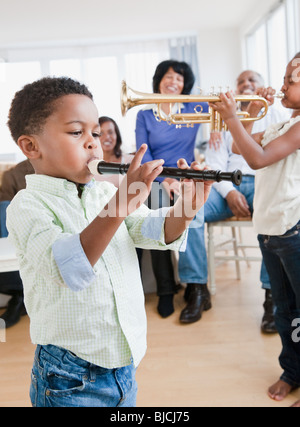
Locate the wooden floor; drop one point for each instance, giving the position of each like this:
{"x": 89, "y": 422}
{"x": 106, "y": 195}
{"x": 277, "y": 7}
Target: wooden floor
{"x": 221, "y": 361}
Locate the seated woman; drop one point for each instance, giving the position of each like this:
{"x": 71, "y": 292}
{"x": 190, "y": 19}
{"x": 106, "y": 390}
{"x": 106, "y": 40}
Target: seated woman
{"x": 111, "y": 142}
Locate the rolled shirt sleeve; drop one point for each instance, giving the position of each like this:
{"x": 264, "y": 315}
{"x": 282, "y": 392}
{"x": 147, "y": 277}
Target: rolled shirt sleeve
{"x": 76, "y": 269}
{"x": 153, "y": 228}
{"x": 73, "y": 264}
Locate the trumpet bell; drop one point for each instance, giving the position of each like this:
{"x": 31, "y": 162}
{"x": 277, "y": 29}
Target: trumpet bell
{"x": 126, "y": 101}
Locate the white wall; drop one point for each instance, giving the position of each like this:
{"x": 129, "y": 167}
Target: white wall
{"x": 220, "y": 26}
{"x": 219, "y": 57}
{"x": 36, "y": 20}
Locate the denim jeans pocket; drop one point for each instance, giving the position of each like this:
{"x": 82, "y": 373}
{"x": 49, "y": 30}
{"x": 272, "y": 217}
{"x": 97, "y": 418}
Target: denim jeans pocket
{"x": 62, "y": 389}
{"x": 61, "y": 383}
{"x": 291, "y": 233}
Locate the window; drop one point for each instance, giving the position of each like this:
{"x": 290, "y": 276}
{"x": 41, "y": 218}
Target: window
{"x": 102, "y": 75}
{"x": 101, "y": 66}
{"x": 273, "y": 42}
{"x": 11, "y": 80}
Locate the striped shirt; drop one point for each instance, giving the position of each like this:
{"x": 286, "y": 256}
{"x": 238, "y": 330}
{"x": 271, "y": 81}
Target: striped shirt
{"x": 95, "y": 312}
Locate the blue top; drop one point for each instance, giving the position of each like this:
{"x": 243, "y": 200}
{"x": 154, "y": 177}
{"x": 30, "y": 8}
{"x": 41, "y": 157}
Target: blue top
{"x": 166, "y": 141}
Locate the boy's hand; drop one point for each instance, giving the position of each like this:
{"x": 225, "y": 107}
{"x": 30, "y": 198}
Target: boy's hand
{"x": 194, "y": 193}
{"x": 172, "y": 187}
{"x": 137, "y": 183}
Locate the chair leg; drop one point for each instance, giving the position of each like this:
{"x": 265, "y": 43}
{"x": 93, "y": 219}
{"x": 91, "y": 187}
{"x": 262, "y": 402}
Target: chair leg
{"x": 211, "y": 259}
{"x": 236, "y": 253}
{"x": 241, "y": 248}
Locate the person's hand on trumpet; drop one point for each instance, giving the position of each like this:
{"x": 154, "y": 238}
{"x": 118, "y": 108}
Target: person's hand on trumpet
{"x": 136, "y": 187}
{"x": 226, "y": 107}
{"x": 215, "y": 140}
{"x": 255, "y": 107}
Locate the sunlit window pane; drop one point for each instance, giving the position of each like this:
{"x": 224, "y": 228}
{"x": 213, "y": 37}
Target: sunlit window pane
{"x": 66, "y": 68}
{"x": 13, "y": 77}
{"x": 273, "y": 43}
{"x": 277, "y": 36}
{"x": 258, "y": 52}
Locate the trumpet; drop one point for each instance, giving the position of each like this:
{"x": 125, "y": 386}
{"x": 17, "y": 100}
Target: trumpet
{"x": 101, "y": 168}
{"x": 131, "y": 98}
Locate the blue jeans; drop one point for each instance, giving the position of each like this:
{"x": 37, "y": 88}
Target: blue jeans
{"x": 60, "y": 379}
{"x": 3, "y": 229}
{"x": 10, "y": 282}
{"x": 282, "y": 258}
{"x": 192, "y": 264}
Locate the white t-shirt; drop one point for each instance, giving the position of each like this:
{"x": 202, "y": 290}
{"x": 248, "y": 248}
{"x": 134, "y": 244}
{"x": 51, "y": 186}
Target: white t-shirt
{"x": 277, "y": 189}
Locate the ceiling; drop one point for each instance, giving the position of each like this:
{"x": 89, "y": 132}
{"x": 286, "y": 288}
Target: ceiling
{"x": 67, "y": 19}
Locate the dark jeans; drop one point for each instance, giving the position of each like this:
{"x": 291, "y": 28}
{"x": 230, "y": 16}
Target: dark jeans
{"x": 282, "y": 259}
{"x": 192, "y": 265}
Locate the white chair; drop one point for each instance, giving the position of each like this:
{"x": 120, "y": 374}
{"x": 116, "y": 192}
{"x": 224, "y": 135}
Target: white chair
{"x": 237, "y": 246}
{"x": 8, "y": 258}
{"x": 8, "y": 262}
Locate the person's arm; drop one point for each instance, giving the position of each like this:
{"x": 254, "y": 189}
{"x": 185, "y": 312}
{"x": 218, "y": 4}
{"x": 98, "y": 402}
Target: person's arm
{"x": 255, "y": 107}
{"x": 257, "y": 156}
{"x": 142, "y": 136}
{"x": 219, "y": 160}
{"x": 140, "y": 177}
{"x": 192, "y": 197}
{"x": 257, "y": 137}
{"x": 124, "y": 202}
{"x": 7, "y": 189}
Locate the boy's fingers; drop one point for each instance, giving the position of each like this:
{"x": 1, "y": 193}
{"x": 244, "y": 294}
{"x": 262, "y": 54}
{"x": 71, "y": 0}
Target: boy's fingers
{"x": 198, "y": 166}
{"x": 154, "y": 174}
{"x": 182, "y": 164}
{"x": 137, "y": 160}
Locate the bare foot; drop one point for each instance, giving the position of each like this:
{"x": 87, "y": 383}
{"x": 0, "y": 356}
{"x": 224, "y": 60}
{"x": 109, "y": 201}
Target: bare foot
{"x": 296, "y": 405}
{"x": 279, "y": 390}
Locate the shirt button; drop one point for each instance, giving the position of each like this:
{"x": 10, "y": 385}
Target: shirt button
{"x": 69, "y": 186}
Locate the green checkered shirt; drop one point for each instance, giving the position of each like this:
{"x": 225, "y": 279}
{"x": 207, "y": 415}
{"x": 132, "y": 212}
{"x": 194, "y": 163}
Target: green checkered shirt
{"x": 97, "y": 313}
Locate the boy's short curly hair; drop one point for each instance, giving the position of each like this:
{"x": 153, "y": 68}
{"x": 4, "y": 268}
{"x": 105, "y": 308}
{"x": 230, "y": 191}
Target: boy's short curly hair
{"x": 33, "y": 104}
